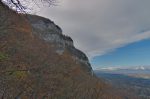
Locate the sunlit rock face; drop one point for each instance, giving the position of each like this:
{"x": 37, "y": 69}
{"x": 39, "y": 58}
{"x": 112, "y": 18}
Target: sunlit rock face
{"x": 48, "y": 31}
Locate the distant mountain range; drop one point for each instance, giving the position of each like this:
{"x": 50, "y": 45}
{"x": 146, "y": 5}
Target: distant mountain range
{"x": 125, "y": 68}
{"x": 136, "y": 71}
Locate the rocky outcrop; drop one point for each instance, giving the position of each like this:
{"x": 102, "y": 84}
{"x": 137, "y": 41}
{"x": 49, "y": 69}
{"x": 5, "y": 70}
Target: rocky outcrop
{"x": 48, "y": 31}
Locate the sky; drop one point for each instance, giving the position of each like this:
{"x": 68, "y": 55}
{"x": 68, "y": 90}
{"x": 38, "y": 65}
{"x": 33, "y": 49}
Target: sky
{"x": 134, "y": 54}
{"x": 106, "y": 30}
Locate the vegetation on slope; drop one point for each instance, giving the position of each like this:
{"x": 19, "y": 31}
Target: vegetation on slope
{"x": 30, "y": 68}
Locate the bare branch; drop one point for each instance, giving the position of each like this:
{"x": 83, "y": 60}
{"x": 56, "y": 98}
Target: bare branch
{"x": 19, "y": 6}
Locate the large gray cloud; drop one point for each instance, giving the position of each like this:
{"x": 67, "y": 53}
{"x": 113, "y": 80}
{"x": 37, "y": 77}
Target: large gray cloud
{"x": 100, "y": 26}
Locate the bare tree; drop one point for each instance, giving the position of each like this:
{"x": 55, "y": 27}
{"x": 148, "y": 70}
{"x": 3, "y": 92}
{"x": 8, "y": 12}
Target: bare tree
{"x": 18, "y": 5}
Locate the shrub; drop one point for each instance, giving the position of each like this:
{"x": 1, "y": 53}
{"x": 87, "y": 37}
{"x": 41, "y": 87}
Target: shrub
{"x": 3, "y": 56}
{"x": 20, "y": 74}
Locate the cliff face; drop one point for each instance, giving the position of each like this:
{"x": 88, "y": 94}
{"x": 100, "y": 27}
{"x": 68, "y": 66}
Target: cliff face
{"x": 48, "y": 31}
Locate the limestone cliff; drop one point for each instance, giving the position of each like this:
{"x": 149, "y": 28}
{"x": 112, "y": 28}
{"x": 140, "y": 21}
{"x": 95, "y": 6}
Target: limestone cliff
{"x": 48, "y": 31}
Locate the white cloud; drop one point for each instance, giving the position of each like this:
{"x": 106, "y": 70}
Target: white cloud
{"x": 100, "y": 26}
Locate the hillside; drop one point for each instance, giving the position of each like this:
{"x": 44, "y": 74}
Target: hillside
{"x": 38, "y": 62}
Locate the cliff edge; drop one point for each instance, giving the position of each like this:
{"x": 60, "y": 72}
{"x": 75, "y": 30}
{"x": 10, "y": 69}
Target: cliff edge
{"x": 48, "y": 31}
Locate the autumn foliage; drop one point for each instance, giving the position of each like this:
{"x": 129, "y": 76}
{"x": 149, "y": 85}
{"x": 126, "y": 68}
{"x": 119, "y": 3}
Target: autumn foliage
{"x": 30, "y": 68}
